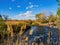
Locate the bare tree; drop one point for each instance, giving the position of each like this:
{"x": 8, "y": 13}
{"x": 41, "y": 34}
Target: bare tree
{"x": 5, "y": 17}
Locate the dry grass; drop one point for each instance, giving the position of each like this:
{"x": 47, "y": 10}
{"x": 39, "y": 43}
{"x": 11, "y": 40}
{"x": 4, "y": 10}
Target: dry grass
{"x": 14, "y": 22}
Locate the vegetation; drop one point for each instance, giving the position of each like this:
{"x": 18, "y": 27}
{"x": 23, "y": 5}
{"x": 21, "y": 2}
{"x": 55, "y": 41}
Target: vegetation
{"x": 16, "y": 28}
{"x": 58, "y": 18}
{"x": 41, "y": 18}
{"x": 58, "y": 13}
{"x": 3, "y": 26}
{"x": 51, "y": 18}
{"x": 3, "y": 29}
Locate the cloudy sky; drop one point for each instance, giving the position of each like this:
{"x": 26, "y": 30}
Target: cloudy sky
{"x": 26, "y": 9}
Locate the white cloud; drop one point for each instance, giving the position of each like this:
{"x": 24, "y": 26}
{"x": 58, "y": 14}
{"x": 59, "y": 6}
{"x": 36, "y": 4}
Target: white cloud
{"x": 32, "y": 6}
{"x": 12, "y": 0}
{"x": 26, "y": 15}
{"x": 10, "y": 8}
{"x": 18, "y": 6}
{"x": 30, "y": 3}
{"x": 36, "y": 5}
{"x": 27, "y": 7}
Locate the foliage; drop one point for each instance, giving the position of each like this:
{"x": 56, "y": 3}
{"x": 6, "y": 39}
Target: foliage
{"x": 35, "y": 23}
{"x": 58, "y": 12}
{"x": 58, "y": 1}
{"x": 3, "y": 26}
{"x": 16, "y": 28}
{"x": 58, "y": 18}
{"x": 51, "y": 18}
{"x": 29, "y": 21}
{"x": 41, "y": 17}
{"x": 58, "y": 24}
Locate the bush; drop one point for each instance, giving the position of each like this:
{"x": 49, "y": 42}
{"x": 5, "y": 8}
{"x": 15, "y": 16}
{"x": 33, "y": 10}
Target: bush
{"x": 16, "y": 28}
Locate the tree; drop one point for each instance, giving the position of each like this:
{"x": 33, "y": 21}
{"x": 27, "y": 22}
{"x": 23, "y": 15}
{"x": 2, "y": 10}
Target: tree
{"x": 58, "y": 2}
{"x": 5, "y": 17}
{"x": 58, "y": 12}
{"x": 51, "y": 18}
{"x": 0, "y": 15}
{"x": 58, "y": 18}
{"x": 41, "y": 17}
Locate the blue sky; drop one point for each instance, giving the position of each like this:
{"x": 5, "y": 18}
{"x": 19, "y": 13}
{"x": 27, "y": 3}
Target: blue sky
{"x": 26, "y": 9}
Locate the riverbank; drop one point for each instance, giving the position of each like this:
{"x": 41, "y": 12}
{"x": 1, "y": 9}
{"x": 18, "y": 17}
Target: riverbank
{"x": 31, "y": 22}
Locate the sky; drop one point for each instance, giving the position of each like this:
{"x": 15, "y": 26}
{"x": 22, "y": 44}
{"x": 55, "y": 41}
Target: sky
{"x": 27, "y": 9}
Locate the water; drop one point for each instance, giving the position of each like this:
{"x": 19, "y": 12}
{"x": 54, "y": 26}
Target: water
{"x": 35, "y": 35}
{"x": 43, "y": 34}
